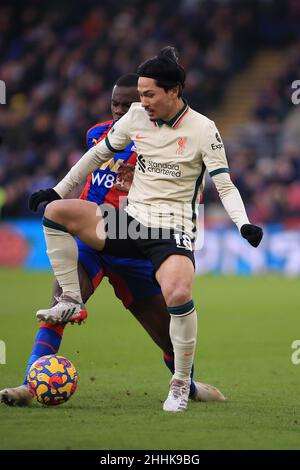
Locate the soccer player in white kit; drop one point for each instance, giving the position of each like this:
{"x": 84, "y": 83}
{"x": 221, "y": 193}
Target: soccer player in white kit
{"x": 175, "y": 147}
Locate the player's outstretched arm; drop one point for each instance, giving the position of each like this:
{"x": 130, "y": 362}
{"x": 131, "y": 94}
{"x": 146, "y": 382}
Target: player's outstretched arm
{"x": 117, "y": 139}
{"x": 235, "y": 208}
{"x": 215, "y": 160}
{"x": 89, "y": 162}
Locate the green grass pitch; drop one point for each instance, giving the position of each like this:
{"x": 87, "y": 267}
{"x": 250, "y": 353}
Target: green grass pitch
{"x": 246, "y": 329}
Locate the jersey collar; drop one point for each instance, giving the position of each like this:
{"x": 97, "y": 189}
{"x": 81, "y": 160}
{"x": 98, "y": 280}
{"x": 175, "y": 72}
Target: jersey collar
{"x": 176, "y": 119}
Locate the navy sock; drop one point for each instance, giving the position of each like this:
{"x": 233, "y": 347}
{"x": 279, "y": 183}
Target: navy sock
{"x": 47, "y": 342}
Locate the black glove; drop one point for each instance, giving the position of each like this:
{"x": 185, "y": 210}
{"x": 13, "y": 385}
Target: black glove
{"x": 44, "y": 195}
{"x": 252, "y": 233}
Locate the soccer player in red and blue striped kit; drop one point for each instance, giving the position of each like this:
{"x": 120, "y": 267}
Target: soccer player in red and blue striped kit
{"x": 133, "y": 280}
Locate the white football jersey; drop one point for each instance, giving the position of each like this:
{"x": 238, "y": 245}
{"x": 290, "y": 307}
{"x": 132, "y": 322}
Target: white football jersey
{"x": 172, "y": 158}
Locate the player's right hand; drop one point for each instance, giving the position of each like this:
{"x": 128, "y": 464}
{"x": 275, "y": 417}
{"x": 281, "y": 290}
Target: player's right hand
{"x": 44, "y": 195}
{"x": 125, "y": 177}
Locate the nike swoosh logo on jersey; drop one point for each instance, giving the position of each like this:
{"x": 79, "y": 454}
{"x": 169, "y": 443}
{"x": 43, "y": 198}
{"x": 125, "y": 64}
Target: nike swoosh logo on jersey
{"x": 138, "y": 137}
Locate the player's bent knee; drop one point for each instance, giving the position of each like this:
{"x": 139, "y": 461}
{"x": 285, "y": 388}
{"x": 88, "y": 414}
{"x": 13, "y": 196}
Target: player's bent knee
{"x": 177, "y": 296}
{"x": 65, "y": 213}
{"x": 60, "y": 212}
{"x": 51, "y": 210}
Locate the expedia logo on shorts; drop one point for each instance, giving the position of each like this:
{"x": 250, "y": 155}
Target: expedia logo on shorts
{"x": 217, "y": 146}
{"x": 167, "y": 169}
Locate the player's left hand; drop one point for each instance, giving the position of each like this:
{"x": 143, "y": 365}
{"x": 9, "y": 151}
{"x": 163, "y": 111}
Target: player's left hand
{"x": 125, "y": 177}
{"x": 252, "y": 233}
{"x": 43, "y": 195}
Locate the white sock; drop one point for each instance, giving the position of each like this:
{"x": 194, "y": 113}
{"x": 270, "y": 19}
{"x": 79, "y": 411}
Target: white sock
{"x": 62, "y": 251}
{"x": 183, "y": 334}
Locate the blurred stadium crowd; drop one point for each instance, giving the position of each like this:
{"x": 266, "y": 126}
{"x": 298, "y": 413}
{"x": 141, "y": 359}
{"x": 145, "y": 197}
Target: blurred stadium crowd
{"x": 59, "y": 61}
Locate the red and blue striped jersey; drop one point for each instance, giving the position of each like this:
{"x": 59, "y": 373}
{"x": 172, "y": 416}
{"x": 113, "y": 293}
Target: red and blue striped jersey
{"x": 100, "y": 186}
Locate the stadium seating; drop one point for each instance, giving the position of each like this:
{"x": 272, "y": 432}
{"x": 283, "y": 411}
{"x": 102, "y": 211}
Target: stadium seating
{"x": 59, "y": 70}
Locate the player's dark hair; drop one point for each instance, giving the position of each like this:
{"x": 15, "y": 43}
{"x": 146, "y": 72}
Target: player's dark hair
{"x": 128, "y": 80}
{"x": 164, "y": 69}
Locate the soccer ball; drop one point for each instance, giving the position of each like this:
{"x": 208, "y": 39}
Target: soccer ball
{"x": 52, "y": 380}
